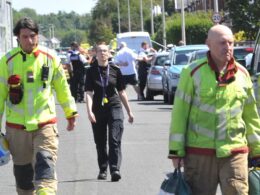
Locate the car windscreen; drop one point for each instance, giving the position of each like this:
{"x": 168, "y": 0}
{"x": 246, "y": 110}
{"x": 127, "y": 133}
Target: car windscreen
{"x": 240, "y": 53}
{"x": 160, "y": 60}
{"x": 182, "y": 57}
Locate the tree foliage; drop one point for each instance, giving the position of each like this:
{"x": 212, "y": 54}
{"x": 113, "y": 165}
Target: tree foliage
{"x": 66, "y": 26}
{"x": 245, "y": 17}
{"x": 102, "y": 23}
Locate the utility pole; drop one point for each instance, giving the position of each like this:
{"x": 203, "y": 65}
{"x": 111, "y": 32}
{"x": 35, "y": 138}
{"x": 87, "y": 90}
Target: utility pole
{"x": 141, "y": 15}
{"x": 216, "y": 6}
{"x": 164, "y": 29}
{"x": 129, "y": 19}
{"x": 118, "y": 17}
{"x": 205, "y": 5}
{"x": 152, "y": 24}
{"x": 183, "y": 35}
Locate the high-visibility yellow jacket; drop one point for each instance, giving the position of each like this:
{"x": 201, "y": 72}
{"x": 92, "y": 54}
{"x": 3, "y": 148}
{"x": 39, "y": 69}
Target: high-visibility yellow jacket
{"x": 38, "y": 104}
{"x": 208, "y": 116}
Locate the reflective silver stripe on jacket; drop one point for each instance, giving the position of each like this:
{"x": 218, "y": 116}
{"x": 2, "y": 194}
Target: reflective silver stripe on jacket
{"x": 43, "y": 107}
{"x": 57, "y": 75}
{"x": 197, "y": 82}
{"x": 180, "y": 94}
{"x": 1, "y": 116}
{"x": 177, "y": 137}
{"x": 67, "y": 104}
{"x": 10, "y": 63}
{"x": 30, "y": 102}
{"x": 202, "y": 130}
{"x": 204, "y": 107}
{"x": 222, "y": 124}
{"x": 14, "y": 108}
{"x": 3, "y": 80}
{"x": 253, "y": 138}
{"x": 250, "y": 100}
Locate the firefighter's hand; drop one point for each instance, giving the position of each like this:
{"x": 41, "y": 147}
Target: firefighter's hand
{"x": 71, "y": 123}
{"x": 177, "y": 161}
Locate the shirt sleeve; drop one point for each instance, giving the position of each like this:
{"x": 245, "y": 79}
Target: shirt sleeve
{"x": 83, "y": 59}
{"x": 89, "y": 84}
{"x": 120, "y": 83}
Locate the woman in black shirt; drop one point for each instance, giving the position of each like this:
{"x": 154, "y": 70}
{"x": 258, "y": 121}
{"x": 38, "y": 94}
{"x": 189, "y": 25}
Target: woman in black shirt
{"x": 104, "y": 90}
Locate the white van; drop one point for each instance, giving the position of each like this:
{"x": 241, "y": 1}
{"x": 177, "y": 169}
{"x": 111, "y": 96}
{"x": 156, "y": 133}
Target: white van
{"x": 134, "y": 39}
{"x": 6, "y": 24}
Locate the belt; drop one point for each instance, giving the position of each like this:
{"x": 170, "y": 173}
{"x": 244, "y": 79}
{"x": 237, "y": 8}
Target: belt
{"x": 22, "y": 127}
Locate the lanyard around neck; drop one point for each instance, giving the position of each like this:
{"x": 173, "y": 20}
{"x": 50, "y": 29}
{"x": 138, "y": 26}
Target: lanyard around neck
{"x": 104, "y": 81}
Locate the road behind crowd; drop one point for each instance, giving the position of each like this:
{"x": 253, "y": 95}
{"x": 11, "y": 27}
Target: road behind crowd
{"x": 144, "y": 147}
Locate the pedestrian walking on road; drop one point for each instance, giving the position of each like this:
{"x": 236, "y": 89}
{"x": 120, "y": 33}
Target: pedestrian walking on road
{"x": 143, "y": 67}
{"x": 104, "y": 89}
{"x": 126, "y": 60}
{"x": 29, "y": 74}
{"x": 78, "y": 62}
{"x": 215, "y": 124}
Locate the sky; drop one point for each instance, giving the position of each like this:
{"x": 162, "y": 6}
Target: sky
{"x": 53, "y": 6}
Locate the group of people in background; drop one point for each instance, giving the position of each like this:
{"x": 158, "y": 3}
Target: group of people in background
{"x": 133, "y": 66}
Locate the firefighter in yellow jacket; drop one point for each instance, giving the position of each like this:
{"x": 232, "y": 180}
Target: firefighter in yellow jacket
{"x": 28, "y": 76}
{"x": 215, "y": 124}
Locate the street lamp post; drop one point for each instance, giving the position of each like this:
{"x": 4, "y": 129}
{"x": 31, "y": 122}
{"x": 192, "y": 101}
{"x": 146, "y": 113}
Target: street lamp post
{"x": 152, "y": 24}
{"x": 118, "y": 16}
{"x": 141, "y": 15}
{"x": 216, "y": 6}
{"x": 163, "y": 19}
{"x": 183, "y": 34}
{"x": 129, "y": 19}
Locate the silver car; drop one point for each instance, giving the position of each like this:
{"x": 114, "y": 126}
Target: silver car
{"x": 154, "y": 77}
{"x": 179, "y": 58}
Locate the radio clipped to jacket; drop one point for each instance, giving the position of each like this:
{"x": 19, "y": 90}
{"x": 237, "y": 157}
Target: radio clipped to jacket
{"x": 45, "y": 74}
{"x": 15, "y": 89}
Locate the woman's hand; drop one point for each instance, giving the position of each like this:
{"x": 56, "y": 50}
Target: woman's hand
{"x": 91, "y": 117}
{"x": 130, "y": 117}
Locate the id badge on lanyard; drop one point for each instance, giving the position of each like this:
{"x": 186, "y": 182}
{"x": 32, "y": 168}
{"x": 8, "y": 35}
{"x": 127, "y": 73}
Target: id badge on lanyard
{"x": 104, "y": 83}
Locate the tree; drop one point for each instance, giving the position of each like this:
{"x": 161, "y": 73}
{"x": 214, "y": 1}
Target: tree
{"x": 245, "y": 17}
{"x": 25, "y": 12}
{"x": 100, "y": 32}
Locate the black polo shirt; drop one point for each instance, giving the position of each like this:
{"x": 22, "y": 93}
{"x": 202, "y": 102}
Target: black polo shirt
{"x": 115, "y": 84}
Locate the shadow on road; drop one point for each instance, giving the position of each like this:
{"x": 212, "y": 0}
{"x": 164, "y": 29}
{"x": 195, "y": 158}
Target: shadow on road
{"x": 84, "y": 180}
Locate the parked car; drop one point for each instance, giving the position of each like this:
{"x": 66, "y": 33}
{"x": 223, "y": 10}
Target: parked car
{"x": 195, "y": 55}
{"x": 240, "y": 52}
{"x": 179, "y": 57}
{"x": 254, "y": 70}
{"x": 154, "y": 77}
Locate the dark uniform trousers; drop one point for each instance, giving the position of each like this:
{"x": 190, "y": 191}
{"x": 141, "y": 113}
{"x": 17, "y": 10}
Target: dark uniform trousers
{"x": 77, "y": 85}
{"x": 109, "y": 125}
{"x": 142, "y": 75}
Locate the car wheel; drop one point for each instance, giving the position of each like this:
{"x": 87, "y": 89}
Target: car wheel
{"x": 165, "y": 97}
{"x": 149, "y": 94}
{"x": 170, "y": 98}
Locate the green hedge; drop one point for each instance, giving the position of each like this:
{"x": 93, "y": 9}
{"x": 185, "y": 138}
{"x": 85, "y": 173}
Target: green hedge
{"x": 196, "y": 24}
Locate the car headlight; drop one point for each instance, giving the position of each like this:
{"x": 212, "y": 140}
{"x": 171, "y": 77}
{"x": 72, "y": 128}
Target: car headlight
{"x": 173, "y": 75}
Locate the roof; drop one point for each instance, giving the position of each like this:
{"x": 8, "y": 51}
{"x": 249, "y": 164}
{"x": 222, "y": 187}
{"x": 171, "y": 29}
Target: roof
{"x": 133, "y": 34}
{"x": 190, "y": 47}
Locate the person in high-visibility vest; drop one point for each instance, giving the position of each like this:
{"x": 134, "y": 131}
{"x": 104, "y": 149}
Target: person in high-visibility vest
{"x": 28, "y": 76}
{"x": 215, "y": 124}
